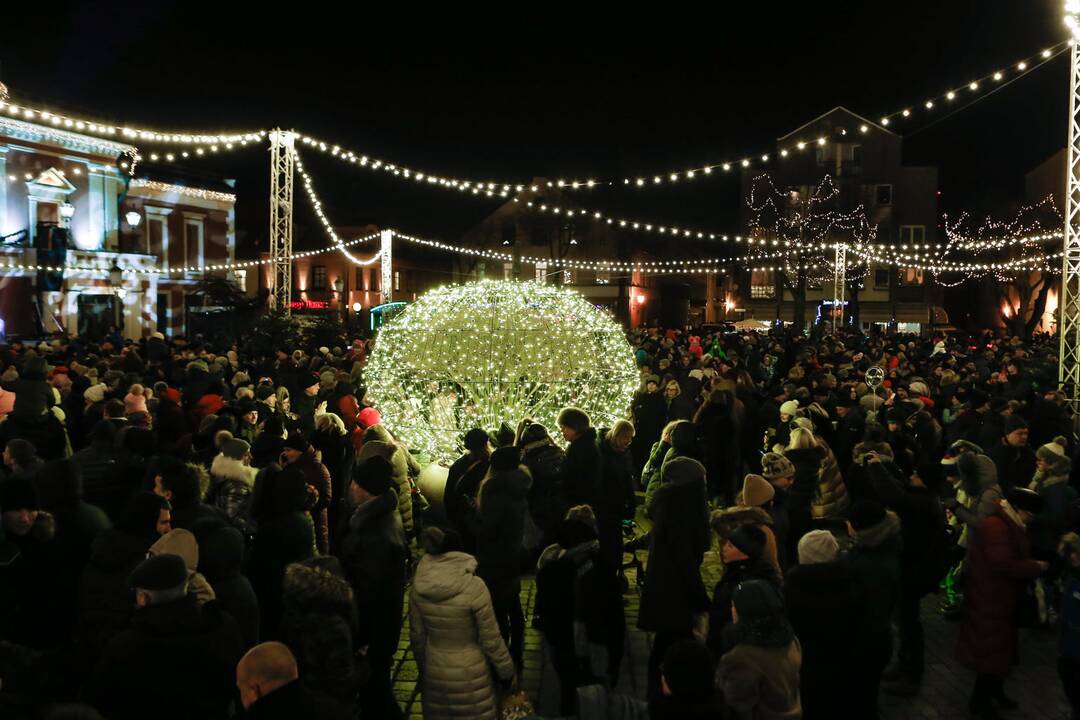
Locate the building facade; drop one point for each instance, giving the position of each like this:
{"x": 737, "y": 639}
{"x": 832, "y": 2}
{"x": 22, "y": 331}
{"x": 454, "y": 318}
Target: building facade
{"x": 865, "y": 164}
{"x": 68, "y": 204}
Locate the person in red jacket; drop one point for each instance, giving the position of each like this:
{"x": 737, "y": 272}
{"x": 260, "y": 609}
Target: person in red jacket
{"x": 998, "y": 561}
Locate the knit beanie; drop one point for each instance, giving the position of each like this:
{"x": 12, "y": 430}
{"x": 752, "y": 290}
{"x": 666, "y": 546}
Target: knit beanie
{"x": 749, "y": 539}
{"x": 818, "y": 546}
{"x": 775, "y": 466}
{"x": 18, "y": 493}
{"x": 684, "y": 437}
{"x": 368, "y": 417}
{"x": 95, "y": 393}
{"x": 789, "y": 408}
{"x": 757, "y": 600}
{"x": 263, "y": 392}
{"x": 235, "y": 448}
{"x": 865, "y": 513}
{"x": 682, "y": 471}
{"x": 756, "y": 491}
{"x": 1055, "y": 454}
{"x": 375, "y": 475}
{"x": 1013, "y": 423}
{"x": 135, "y": 401}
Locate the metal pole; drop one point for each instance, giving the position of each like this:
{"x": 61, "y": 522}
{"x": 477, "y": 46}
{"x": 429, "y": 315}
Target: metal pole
{"x": 282, "y": 166}
{"x": 1069, "y": 324}
{"x": 839, "y": 277}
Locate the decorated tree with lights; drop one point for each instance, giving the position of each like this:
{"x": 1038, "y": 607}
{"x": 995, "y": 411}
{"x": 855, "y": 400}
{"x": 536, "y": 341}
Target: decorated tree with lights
{"x": 804, "y": 228}
{"x": 492, "y": 352}
{"x": 1014, "y": 257}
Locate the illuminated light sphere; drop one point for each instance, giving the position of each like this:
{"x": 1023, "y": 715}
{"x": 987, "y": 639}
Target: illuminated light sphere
{"x": 492, "y": 352}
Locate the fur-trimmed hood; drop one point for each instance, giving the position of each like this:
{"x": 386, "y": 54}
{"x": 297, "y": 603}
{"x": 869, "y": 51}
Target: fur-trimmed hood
{"x": 876, "y": 535}
{"x": 226, "y": 468}
{"x": 726, "y": 521}
{"x": 861, "y": 450}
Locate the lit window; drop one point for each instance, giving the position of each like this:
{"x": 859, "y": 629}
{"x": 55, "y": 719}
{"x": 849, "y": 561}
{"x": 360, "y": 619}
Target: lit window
{"x": 912, "y": 234}
{"x": 541, "y": 272}
{"x": 318, "y": 277}
{"x": 397, "y": 280}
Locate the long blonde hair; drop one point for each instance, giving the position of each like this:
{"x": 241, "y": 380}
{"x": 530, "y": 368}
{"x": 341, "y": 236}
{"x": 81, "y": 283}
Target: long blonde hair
{"x": 801, "y": 439}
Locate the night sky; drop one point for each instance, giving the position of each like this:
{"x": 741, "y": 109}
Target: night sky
{"x": 545, "y": 89}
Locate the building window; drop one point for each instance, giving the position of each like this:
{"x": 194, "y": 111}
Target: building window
{"x": 911, "y": 276}
{"x": 155, "y": 235}
{"x": 508, "y": 270}
{"x": 193, "y": 241}
{"x": 883, "y": 194}
{"x": 397, "y": 280}
{"x": 318, "y": 277}
{"x": 910, "y": 234}
{"x": 240, "y": 278}
{"x": 373, "y": 279}
{"x": 762, "y": 285}
{"x": 541, "y": 272}
{"x": 568, "y": 277}
{"x": 603, "y": 277}
{"x": 358, "y": 283}
{"x": 881, "y": 278}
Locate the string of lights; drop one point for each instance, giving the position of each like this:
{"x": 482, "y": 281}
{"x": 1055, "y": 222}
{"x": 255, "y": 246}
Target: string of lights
{"x": 316, "y": 205}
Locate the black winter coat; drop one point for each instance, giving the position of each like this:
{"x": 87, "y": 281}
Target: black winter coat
{"x": 924, "y": 554}
{"x": 279, "y": 540}
{"x": 459, "y": 497}
{"x": 724, "y": 593}
{"x": 105, "y": 600}
{"x": 221, "y": 553}
{"x": 177, "y": 658}
{"x": 580, "y": 476}
{"x": 547, "y": 503}
{"x": 503, "y": 501}
{"x": 374, "y": 556}
{"x": 615, "y": 501}
{"x": 1015, "y": 465}
{"x": 674, "y": 592}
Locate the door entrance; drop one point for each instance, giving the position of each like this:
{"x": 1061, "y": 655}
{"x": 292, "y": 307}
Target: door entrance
{"x": 97, "y": 313}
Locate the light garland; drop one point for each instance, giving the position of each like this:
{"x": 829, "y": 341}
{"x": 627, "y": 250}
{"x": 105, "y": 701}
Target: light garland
{"x": 194, "y": 192}
{"x": 316, "y": 205}
{"x": 492, "y": 352}
{"x": 103, "y": 129}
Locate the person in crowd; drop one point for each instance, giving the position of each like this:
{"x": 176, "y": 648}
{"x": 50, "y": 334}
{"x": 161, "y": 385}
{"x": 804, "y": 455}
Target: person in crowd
{"x": 378, "y": 441}
{"x": 573, "y": 592}
{"x": 502, "y": 504}
{"x": 822, "y": 598}
{"x": 270, "y": 687}
{"x": 103, "y": 484}
{"x": 1069, "y": 658}
{"x": 182, "y": 543}
{"x": 544, "y": 460}
{"x": 679, "y": 406}
{"x": 176, "y": 656}
{"x": 977, "y": 476}
{"x": 178, "y": 482}
{"x": 374, "y": 554}
{"x": 998, "y": 561}
{"x": 221, "y": 556}
{"x": 232, "y": 480}
{"x": 580, "y": 476}
{"x": 754, "y": 506}
{"x": 299, "y": 455}
{"x": 284, "y": 534}
{"x": 681, "y": 443}
{"x": 687, "y": 685}
{"x": 743, "y": 553}
{"x": 1051, "y": 480}
{"x": 874, "y": 561}
{"x": 648, "y": 413}
{"x": 719, "y": 437}
{"x": 780, "y": 473}
{"x": 674, "y": 603}
{"x": 615, "y": 491}
{"x": 331, "y": 440}
{"x": 454, "y": 634}
{"x": 1012, "y": 456}
{"x": 463, "y": 483}
{"x": 923, "y": 556}
{"x": 320, "y": 625}
{"x": 758, "y": 673}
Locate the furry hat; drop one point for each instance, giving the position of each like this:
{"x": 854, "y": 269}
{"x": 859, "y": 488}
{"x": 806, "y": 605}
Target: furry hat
{"x": 775, "y": 466}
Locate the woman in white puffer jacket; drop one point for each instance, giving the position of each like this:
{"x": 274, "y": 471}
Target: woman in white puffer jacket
{"x": 454, "y": 634}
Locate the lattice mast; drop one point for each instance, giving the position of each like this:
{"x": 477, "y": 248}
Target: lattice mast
{"x": 282, "y": 170}
{"x": 1069, "y": 324}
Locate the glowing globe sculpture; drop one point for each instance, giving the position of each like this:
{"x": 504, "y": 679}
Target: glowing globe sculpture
{"x": 493, "y": 352}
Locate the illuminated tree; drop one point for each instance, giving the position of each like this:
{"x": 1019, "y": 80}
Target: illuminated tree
{"x": 489, "y": 352}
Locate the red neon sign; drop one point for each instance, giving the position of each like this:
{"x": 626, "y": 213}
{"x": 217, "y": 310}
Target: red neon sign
{"x": 310, "y": 305}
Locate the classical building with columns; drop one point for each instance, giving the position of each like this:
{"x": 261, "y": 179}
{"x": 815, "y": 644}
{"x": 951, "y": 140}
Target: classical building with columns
{"x": 70, "y": 212}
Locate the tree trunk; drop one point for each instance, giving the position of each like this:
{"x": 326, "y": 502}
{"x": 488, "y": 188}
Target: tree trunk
{"x": 851, "y": 312}
{"x": 1038, "y": 310}
{"x": 799, "y": 294}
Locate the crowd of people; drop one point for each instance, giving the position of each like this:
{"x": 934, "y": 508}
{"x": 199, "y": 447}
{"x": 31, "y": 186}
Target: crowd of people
{"x": 191, "y": 532}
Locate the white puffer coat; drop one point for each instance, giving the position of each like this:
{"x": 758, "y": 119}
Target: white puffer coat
{"x": 454, "y": 636}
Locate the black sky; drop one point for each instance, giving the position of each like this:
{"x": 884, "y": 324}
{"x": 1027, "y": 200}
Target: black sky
{"x": 512, "y": 90}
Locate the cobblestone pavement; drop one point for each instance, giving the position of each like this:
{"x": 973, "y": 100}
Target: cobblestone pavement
{"x": 944, "y": 694}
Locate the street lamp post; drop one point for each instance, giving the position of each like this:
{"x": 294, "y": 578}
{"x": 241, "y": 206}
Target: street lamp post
{"x": 133, "y": 219}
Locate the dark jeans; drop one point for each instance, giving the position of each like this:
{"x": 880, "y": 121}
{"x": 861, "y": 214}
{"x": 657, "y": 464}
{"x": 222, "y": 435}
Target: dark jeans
{"x": 1069, "y": 672}
{"x": 661, "y": 642}
{"x": 912, "y": 648}
{"x": 506, "y": 602}
{"x": 565, "y": 662}
{"x": 873, "y": 656}
{"x": 377, "y": 697}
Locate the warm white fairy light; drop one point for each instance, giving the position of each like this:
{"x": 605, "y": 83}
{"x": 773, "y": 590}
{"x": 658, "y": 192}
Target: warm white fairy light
{"x": 493, "y": 352}
{"x": 316, "y": 205}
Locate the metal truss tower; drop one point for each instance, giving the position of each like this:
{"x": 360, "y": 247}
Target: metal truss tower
{"x": 1069, "y": 324}
{"x": 282, "y": 170}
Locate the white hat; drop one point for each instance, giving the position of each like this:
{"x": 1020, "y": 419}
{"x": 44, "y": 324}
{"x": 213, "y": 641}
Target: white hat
{"x": 156, "y": 336}
{"x": 95, "y": 393}
{"x": 919, "y": 388}
{"x": 789, "y": 408}
{"x": 818, "y": 546}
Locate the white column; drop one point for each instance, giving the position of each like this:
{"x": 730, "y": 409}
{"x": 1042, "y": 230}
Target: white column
{"x": 4, "y": 227}
{"x": 386, "y": 263}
